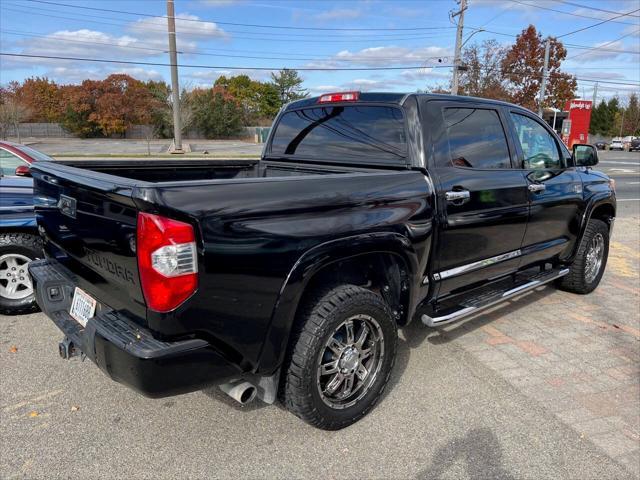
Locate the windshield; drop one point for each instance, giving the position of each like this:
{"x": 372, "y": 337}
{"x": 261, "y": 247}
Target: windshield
{"x": 365, "y": 134}
{"x": 35, "y": 154}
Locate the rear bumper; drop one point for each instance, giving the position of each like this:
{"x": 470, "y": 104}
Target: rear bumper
{"x": 122, "y": 349}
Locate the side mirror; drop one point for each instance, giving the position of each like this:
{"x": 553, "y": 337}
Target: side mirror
{"x": 23, "y": 171}
{"x": 584, "y": 155}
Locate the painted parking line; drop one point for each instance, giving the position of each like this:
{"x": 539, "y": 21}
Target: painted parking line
{"x": 613, "y": 162}
{"x": 628, "y": 200}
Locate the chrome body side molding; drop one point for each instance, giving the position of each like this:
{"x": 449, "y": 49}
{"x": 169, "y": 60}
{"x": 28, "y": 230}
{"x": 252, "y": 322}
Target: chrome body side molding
{"x": 476, "y": 265}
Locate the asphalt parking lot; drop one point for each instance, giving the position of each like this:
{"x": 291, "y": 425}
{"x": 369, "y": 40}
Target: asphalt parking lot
{"x": 543, "y": 387}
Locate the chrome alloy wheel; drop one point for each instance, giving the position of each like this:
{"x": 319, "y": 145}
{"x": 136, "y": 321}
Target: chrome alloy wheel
{"x": 15, "y": 282}
{"x": 595, "y": 254}
{"x": 350, "y": 361}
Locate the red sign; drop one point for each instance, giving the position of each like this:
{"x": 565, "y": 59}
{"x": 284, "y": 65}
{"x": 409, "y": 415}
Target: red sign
{"x": 579, "y": 117}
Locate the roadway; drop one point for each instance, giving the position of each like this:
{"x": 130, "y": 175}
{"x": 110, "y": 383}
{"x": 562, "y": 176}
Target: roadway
{"x": 624, "y": 168}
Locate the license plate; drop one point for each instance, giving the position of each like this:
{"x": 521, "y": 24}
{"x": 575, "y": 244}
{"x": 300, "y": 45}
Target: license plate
{"x": 83, "y": 306}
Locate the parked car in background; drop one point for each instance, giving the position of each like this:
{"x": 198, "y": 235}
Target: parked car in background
{"x": 634, "y": 144}
{"x": 616, "y": 144}
{"x": 19, "y": 239}
{"x": 289, "y": 276}
{"x": 602, "y": 145}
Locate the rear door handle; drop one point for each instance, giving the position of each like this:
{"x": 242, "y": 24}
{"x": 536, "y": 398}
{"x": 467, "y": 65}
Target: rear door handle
{"x": 459, "y": 196}
{"x": 537, "y": 187}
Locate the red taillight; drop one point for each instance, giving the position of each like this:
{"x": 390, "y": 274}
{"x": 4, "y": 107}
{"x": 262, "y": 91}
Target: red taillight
{"x": 339, "y": 97}
{"x": 167, "y": 261}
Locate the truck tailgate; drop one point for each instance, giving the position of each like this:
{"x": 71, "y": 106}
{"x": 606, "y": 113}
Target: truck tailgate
{"x": 89, "y": 222}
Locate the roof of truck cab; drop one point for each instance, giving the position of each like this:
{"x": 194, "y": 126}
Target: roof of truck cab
{"x": 397, "y": 99}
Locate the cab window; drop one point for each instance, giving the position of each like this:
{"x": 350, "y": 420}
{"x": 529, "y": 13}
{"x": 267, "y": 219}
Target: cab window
{"x": 9, "y": 162}
{"x": 538, "y": 145}
{"x": 476, "y": 138}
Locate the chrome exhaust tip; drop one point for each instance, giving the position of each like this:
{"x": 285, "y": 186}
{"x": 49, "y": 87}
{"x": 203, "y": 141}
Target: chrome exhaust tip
{"x": 241, "y": 391}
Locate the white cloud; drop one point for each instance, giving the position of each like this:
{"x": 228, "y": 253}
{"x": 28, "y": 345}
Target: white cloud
{"x": 153, "y": 30}
{"x": 219, "y": 3}
{"x": 338, "y": 14}
{"x": 324, "y": 88}
{"x": 207, "y": 77}
{"x": 74, "y": 74}
{"x": 606, "y": 53}
{"x": 602, "y": 74}
{"x": 387, "y": 56}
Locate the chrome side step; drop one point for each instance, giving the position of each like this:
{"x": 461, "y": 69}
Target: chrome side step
{"x": 475, "y": 305}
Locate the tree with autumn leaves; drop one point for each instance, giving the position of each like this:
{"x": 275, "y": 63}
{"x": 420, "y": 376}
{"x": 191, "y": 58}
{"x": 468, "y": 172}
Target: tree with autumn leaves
{"x": 103, "y": 108}
{"x": 514, "y": 73}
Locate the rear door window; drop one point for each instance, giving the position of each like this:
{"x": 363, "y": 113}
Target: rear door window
{"x": 364, "y": 134}
{"x": 476, "y": 138}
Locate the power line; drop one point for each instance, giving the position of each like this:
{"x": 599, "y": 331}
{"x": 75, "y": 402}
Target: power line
{"x": 603, "y": 45}
{"x": 590, "y": 7}
{"x": 599, "y": 23}
{"x": 568, "y": 13}
{"x": 406, "y": 67}
{"x": 571, "y": 45}
{"x": 218, "y": 67}
{"x": 268, "y": 39}
{"x": 205, "y": 31}
{"x": 191, "y": 31}
{"x": 236, "y": 24}
{"x": 354, "y": 58}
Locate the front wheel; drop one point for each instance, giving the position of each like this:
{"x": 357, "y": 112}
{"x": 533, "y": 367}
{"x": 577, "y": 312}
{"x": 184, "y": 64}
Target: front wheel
{"x": 340, "y": 358}
{"x": 16, "y": 289}
{"x": 588, "y": 266}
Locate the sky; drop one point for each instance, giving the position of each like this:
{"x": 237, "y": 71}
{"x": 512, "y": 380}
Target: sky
{"x": 414, "y": 37}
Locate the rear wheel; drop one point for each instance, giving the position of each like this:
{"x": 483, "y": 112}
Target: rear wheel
{"x": 588, "y": 266}
{"x": 16, "y": 289}
{"x": 340, "y": 358}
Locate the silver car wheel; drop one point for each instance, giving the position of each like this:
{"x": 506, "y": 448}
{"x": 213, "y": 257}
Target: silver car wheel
{"x": 15, "y": 282}
{"x": 349, "y": 363}
{"x": 594, "y": 257}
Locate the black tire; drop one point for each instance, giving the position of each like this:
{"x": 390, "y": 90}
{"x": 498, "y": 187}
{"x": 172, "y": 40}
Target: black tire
{"x": 300, "y": 390}
{"x": 576, "y": 280}
{"x": 26, "y": 245}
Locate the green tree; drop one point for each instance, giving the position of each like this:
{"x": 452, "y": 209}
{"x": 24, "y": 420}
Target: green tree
{"x": 288, "y": 85}
{"x": 612, "y": 113}
{"x": 259, "y": 100}
{"x": 598, "y": 125}
{"x": 216, "y": 113}
{"x": 631, "y": 124}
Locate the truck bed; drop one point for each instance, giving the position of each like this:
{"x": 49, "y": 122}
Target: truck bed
{"x": 178, "y": 170}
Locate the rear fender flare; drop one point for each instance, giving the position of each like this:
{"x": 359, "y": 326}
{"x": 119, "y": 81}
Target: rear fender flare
{"x": 312, "y": 262}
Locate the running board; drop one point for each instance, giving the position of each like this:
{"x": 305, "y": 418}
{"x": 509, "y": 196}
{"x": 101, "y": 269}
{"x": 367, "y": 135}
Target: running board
{"x": 477, "y": 304}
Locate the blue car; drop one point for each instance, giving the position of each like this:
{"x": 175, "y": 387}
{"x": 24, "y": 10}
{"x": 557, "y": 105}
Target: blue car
{"x": 19, "y": 239}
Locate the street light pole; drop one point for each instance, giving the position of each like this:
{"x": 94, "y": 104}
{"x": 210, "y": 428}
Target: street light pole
{"x": 175, "y": 88}
{"x": 456, "y": 58}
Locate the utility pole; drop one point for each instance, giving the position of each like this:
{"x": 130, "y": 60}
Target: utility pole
{"x": 595, "y": 95}
{"x": 456, "y": 58}
{"x": 543, "y": 84}
{"x": 175, "y": 88}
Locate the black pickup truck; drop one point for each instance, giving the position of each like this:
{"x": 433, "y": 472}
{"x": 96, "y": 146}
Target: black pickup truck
{"x": 288, "y": 277}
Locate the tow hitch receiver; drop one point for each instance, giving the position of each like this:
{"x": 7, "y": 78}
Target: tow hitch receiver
{"x": 67, "y": 349}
